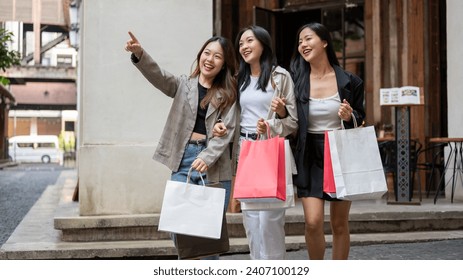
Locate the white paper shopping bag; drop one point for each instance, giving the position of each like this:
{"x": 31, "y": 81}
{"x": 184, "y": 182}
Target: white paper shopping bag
{"x": 357, "y": 167}
{"x": 192, "y": 210}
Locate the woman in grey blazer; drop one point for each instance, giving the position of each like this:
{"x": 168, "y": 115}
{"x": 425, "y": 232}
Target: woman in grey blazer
{"x": 201, "y": 99}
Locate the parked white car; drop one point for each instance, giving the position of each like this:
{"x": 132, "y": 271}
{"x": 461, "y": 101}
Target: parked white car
{"x": 35, "y": 148}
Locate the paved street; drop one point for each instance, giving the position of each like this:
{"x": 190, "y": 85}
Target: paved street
{"x": 437, "y": 250}
{"x": 22, "y": 185}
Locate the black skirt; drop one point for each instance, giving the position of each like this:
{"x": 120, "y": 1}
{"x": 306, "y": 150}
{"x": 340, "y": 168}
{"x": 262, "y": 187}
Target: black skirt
{"x": 313, "y": 165}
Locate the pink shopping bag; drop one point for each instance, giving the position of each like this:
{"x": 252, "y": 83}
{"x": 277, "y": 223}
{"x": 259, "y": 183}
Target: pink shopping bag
{"x": 329, "y": 186}
{"x": 261, "y": 171}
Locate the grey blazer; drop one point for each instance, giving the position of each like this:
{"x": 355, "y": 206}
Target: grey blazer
{"x": 181, "y": 121}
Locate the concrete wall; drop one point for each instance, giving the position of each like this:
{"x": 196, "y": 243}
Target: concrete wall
{"x": 454, "y": 67}
{"x": 121, "y": 115}
{"x": 455, "y": 72}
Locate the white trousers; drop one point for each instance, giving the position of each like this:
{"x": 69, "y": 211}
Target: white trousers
{"x": 266, "y": 234}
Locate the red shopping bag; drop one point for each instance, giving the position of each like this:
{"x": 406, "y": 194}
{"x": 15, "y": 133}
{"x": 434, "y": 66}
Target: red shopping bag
{"x": 261, "y": 174}
{"x": 329, "y": 187}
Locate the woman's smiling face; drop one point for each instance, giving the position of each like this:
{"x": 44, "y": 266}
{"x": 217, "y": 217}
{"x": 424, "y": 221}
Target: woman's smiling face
{"x": 250, "y": 48}
{"x": 310, "y": 45}
{"x": 211, "y": 60}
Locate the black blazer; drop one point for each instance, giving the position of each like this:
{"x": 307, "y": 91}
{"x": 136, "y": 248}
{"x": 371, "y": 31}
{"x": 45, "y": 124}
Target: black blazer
{"x": 350, "y": 87}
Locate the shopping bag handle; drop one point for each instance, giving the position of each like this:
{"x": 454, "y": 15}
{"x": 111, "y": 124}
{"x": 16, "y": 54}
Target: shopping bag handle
{"x": 189, "y": 175}
{"x": 355, "y": 121}
{"x": 268, "y": 131}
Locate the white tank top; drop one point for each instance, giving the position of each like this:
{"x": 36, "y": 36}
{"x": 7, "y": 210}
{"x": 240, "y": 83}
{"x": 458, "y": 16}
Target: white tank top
{"x": 323, "y": 114}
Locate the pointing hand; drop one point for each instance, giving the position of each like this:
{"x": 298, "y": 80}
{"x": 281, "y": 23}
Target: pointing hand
{"x": 133, "y": 45}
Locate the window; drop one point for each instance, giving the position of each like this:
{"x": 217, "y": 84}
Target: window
{"x": 64, "y": 60}
{"x": 26, "y": 145}
{"x": 69, "y": 126}
{"x": 347, "y": 31}
{"x": 46, "y": 145}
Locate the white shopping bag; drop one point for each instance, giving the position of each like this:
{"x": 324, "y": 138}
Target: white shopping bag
{"x": 290, "y": 168}
{"x": 192, "y": 209}
{"x": 357, "y": 167}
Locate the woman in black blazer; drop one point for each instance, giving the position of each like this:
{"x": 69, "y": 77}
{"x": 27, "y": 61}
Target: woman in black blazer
{"x": 325, "y": 95}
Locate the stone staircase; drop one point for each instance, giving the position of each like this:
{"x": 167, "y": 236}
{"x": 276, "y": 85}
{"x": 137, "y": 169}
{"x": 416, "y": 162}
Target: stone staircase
{"x": 75, "y": 228}
{"x": 366, "y": 226}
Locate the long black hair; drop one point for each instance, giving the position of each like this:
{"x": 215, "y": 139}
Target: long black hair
{"x": 299, "y": 68}
{"x": 267, "y": 60}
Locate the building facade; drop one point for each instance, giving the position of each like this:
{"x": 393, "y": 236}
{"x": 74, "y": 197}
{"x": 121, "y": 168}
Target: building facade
{"x": 44, "y": 84}
{"x": 389, "y": 43}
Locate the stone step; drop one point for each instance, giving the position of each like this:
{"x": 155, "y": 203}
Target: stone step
{"x": 144, "y": 226}
{"x": 374, "y": 217}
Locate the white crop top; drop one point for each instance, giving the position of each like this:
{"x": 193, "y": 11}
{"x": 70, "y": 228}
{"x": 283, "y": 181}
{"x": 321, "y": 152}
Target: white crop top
{"x": 323, "y": 114}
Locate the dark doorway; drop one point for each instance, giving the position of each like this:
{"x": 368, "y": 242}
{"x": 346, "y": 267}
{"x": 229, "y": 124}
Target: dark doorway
{"x": 283, "y": 27}
{"x": 344, "y": 23}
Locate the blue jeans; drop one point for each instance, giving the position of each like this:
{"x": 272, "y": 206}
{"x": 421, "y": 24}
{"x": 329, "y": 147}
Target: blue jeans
{"x": 191, "y": 152}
